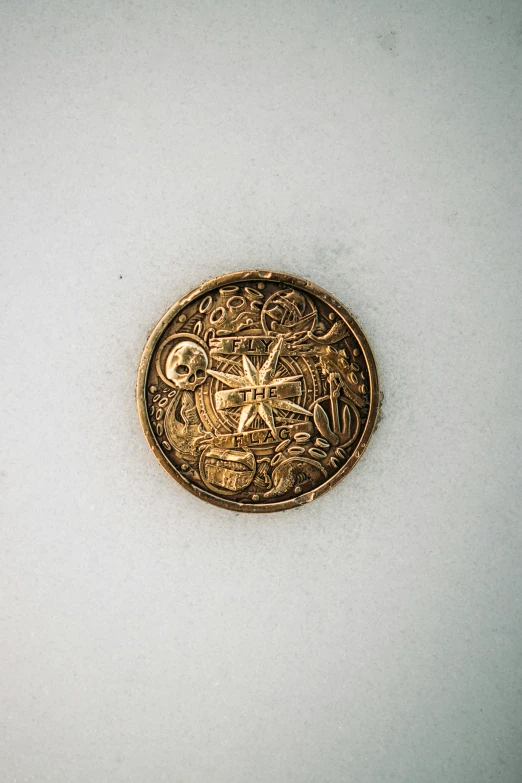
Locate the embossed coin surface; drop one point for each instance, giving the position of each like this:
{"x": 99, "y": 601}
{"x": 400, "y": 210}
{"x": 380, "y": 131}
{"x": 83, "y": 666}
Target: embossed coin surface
{"x": 257, "y": 391}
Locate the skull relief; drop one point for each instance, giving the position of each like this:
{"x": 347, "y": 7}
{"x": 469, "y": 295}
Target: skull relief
{"x": 186, "y": 365}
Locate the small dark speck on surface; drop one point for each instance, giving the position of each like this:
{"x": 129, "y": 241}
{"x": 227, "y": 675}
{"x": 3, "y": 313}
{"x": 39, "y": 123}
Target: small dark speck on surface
{"x": 454, "y": 219}
{"x": 121, "y": 277}
{"x": 388, "y": 41}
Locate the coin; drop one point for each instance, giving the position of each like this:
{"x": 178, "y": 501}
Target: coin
{"x": 258, "y": 391}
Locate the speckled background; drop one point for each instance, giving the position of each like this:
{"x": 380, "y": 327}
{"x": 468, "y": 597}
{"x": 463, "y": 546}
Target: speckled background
{"x": 376, "y": 634}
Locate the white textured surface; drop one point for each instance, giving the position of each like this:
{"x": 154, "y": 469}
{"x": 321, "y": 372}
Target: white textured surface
{"x": 375, "y": 635}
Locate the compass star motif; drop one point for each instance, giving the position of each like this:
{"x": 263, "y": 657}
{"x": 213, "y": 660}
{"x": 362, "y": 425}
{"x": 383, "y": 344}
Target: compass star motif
{"x": 261, "y": 378}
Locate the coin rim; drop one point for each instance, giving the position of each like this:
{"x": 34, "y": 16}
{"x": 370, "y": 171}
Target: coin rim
{"x": 259, "y": 276}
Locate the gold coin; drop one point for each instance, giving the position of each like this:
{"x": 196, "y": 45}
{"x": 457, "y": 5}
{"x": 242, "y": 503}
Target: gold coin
{"x": 258, "y": 391}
